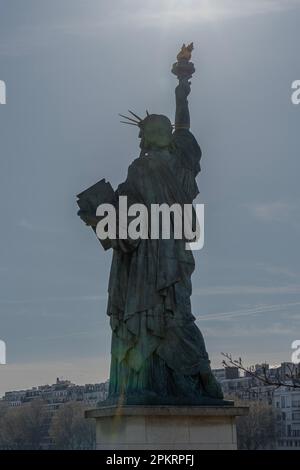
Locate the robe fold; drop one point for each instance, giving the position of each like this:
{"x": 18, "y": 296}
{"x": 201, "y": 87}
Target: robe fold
{"x": 158, "y": 353}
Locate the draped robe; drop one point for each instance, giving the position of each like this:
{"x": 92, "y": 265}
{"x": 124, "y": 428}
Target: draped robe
{"x": 158, "y": 354}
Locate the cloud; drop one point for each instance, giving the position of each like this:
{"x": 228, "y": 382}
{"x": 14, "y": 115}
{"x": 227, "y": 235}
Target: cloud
{"x": 32, "y": 227}
{"x": 164, "y": 14}
{"x": 134, "y": 15}
{"x": 249, "y": 331}
{"x": 208, "y": 10}
{"x": 247, "y": 290}
{"x": 276, "y": 211}
{"x": 74, "y": 298}
{"x": 255, "y": 310}
{"x": 93, "y": 332}
{"x": 280, "y": 271}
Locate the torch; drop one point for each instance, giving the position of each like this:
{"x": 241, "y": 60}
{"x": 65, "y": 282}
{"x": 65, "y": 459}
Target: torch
{"x": 183, "y": 68}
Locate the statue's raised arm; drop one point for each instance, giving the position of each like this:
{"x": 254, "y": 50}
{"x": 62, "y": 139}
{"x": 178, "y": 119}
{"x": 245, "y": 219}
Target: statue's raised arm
{"x": 184, "y": 70}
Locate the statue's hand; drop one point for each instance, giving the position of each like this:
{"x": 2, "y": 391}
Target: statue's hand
{"x": 89, "y": 219}
{"x": 183, "y": 89}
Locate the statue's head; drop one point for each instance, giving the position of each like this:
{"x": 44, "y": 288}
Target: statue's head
{"x": 155, "y": 130}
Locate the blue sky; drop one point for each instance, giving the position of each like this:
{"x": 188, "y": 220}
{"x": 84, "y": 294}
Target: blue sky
{"x": 70, "y": 67}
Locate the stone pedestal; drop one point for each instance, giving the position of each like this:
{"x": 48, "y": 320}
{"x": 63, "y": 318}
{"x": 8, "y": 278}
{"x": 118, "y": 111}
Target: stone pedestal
{"x": 166, "y": 427}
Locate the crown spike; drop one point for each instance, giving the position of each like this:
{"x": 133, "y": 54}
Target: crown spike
{"x": 135, "y": 115}
{"x": 130, "y": 119}
{"x": 130, "y": 123}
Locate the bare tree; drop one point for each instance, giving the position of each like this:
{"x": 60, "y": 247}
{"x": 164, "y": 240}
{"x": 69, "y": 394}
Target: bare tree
{"x": 291, "y": 378}
{"x": 257, "y": 430}
{"x": 70, "y": 430}
{"x": 23, "y": 427}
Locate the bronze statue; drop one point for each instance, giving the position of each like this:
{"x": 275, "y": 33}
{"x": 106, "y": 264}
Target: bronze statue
{"x": 158, "y": 354}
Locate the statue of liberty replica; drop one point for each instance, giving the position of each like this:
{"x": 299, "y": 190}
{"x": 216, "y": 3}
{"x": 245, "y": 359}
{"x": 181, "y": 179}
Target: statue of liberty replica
{"x": 158, "y": 354}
